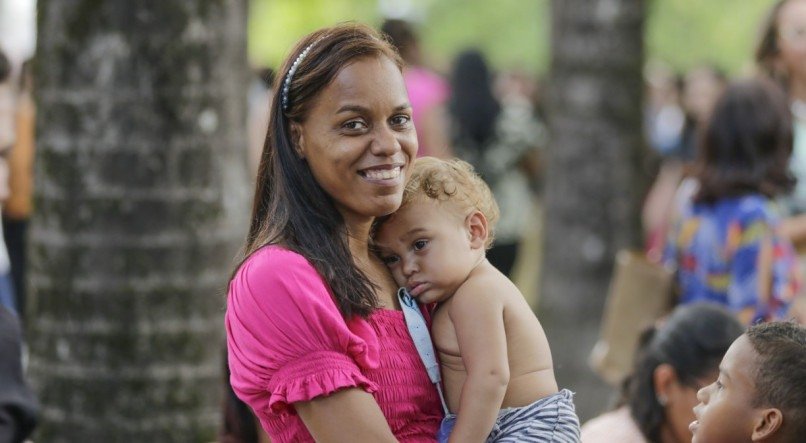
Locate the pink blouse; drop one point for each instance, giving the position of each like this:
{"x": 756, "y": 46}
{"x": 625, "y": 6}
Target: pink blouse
{"x": 288, "y": 342}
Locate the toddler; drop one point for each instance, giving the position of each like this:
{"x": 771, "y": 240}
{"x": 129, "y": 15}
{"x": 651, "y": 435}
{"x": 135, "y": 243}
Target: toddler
{"x": 760, "y": 394}
{"x": 495, "y": 360}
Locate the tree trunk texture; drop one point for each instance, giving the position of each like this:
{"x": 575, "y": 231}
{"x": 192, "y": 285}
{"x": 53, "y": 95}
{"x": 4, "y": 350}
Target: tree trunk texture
{"x": 141, "y": 204}
{"x": 594, "y": 185}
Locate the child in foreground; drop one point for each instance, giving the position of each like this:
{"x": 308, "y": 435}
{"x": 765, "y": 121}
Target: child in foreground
{"x": 760, "y": 395}
{"x": 495, "y": 359}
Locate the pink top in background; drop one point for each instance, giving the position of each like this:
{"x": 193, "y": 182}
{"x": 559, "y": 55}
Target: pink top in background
{"x": 426, "y": 90}
{"x": 288, "y": 342}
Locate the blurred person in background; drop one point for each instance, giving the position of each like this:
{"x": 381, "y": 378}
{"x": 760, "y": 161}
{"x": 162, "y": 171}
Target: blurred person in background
{"x": 699, "y": 89}
{"x": 259, "y": 105}
{"x": 674, "y": 360}
{"x": 664, "y": 116}
{"x": 498, "y": 138}
{"x": 18, "y": 406}
{"x": 781, "y": 55}
{"x": 7, "y": 138}
{"x": 18, "y": 207}
{"x": 428, "y": 91}
{"x": 702, "y": 86}
{"x": 726, "y": 245}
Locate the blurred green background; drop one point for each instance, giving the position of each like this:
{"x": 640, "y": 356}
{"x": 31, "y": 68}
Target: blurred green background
{"x": 515, "y": 33}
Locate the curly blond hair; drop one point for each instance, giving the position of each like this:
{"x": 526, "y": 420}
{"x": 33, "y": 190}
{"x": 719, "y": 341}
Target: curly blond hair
{"x": 455, "y": 181}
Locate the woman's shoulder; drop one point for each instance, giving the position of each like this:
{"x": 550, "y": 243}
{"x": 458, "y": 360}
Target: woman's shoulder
{"x": 275, "y": 271}
{"x": 755, "y": 208}
{"x": 271, "y": 260}
{"x": 745, "y": 208}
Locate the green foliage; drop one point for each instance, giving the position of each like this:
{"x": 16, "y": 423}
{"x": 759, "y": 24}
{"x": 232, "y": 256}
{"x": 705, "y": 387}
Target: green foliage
{"x": 684, "y": 33}
{"x": 515, "y": 33}
{"x": 275, "y": 25}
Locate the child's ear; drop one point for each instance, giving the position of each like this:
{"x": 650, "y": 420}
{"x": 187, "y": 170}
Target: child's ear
{"x": 476, "y": 224}
{"x": 297, "y": 140}
{"x": 767, "y": 423}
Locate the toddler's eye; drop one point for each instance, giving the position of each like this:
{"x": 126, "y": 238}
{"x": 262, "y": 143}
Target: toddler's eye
{"x": 420, "y": 244}
{"x": 390, "y": 260}
{"x": 718, "y": 385}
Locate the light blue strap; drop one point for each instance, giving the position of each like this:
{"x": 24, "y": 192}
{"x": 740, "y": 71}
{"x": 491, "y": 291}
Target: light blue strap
{"x": 418, "y": 330}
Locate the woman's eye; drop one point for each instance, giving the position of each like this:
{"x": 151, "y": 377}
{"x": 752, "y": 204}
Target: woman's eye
{"x": 401, "y": 120}
{"x": 390, "y": 260}
{"x": 719, "y": 385}
{"x": 420, "y": 244}
{"x": 354, "y": 125}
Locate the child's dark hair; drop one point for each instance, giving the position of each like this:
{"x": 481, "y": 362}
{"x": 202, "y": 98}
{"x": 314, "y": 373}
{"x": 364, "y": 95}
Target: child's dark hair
{"x": 746, "y": 145}
{"x": 780, "y": 376}
{"x": 692, "y": 340}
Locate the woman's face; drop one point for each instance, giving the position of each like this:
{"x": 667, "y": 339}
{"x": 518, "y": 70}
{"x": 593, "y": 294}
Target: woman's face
{"x": 792, "y": 39}
{"x": 359, "y": 140}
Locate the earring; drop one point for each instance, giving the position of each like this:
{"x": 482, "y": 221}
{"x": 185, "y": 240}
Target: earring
{"x": 662, "y": 399}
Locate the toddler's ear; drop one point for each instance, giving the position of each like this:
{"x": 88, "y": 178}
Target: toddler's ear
{"x": 768, "y": 422}
{"x": 476, "y": 224}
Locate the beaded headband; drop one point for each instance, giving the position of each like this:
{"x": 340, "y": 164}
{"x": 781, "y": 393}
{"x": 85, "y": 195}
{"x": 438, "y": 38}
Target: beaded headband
{"x": 287, "y": 81}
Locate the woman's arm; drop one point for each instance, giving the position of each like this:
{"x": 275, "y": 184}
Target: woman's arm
{"x": 347, "y": 415}
{"x": 478, "y": 319}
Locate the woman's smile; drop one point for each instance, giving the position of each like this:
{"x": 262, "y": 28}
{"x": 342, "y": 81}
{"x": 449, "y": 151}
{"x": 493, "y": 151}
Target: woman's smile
{"x": 389, "y": 175}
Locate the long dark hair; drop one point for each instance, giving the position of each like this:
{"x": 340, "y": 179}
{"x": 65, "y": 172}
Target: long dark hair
{"x": 746, "y": 145}
{"x": 693, "y": 341}
{"x": 290, "y": 207}
{"x": 472, "y": 105}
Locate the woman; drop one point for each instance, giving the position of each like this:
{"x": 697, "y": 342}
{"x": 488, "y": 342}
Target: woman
{"x": 318, "y": 346}
{"x": 781, "y": 55}
{"x": 496, "y": 138}
{"x": 726, "y": 245}
{"x": 674, "y": 361}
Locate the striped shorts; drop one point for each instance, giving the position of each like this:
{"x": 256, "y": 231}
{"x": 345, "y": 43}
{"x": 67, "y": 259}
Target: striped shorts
{"x": 550, "y": 419}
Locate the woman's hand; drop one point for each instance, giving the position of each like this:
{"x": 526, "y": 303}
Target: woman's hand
{"x": 347, "y": 415}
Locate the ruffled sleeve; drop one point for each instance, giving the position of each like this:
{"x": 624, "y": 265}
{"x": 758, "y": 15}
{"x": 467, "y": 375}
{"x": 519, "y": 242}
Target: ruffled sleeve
{"x": 287, "y": 341}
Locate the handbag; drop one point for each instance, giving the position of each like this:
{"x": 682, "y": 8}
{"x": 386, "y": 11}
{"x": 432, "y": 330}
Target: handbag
{"x": 640, "y": 293}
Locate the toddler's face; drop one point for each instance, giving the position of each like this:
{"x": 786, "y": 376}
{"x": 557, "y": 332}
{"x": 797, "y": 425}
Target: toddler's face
{"x": 426, "y": 246}
{"x": 725, "y": 412}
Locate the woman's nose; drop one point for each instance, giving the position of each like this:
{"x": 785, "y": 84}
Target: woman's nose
{"x": 385, "y": 142}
